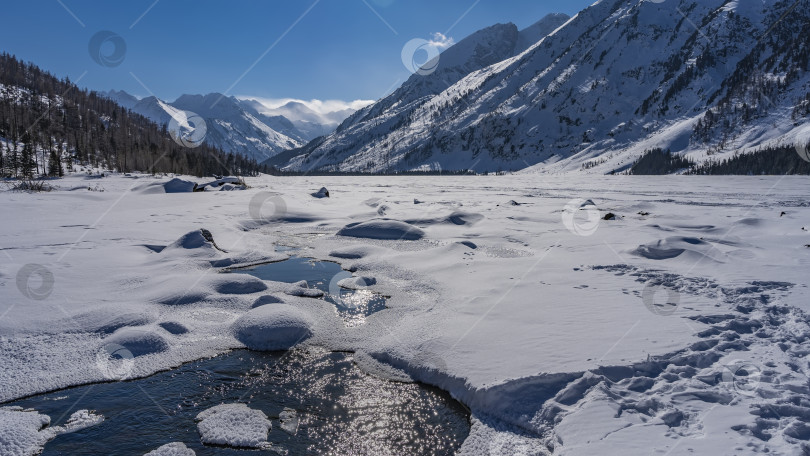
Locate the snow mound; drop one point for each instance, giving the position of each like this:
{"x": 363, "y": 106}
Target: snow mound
{"x": 301, "y": 289}
{"x": 197, "y": 239}
{"x": 357, "y": 283}
{"x": 239, "y": 284}
{"x": 352, "y": 253}
{"x": 459, "y": 218}
{"x": 385, "y": 229}
{"x": 690, "y": 248}
{"x": 179, "y": 186}
{"x": 182, "y": 298}
{"x": 269, "y": 328}
{"x": 464, "y": 218}
{"x": 172, "y": 449}
{"x": 266, "y": 299}
{"x": 139, "y": 342}
{"x": 234, "y": 425}
{"x": 191, "y": 240}
{"x": 173, "y": 186}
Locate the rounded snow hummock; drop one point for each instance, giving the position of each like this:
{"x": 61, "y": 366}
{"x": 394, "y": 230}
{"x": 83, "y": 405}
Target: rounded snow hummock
{"x": 385, "y": 229}
{"x": 192, "y": 240}
{"x": 175, "y": 185}
{"x": 172, "y": 449}
{"x": 270, "y": 328}
{"x": 234, "y": 425}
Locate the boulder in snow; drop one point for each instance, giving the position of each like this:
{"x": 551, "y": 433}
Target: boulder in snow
{"x": 322, "y": 193}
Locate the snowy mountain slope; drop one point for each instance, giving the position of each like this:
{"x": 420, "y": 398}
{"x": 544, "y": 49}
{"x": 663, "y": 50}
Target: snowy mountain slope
{"x": 230, "y": 125}
{"x": 479, "y": 50}
{"x": 306, "y": 120}
{"x": 618, "y": 78}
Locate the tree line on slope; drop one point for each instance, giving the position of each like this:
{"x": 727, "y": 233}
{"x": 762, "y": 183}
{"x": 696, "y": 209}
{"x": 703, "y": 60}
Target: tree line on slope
{"x": 50, "y": 124}
{"x": 778, "y": 160}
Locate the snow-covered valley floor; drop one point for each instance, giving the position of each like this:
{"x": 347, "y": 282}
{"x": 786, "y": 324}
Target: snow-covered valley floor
{"x": 678, "y": 327}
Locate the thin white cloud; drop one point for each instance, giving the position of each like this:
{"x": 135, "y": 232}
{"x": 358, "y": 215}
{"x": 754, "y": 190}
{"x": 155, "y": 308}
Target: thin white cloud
{"x": 319, "y": 106}
{"x": 441, "y": 42}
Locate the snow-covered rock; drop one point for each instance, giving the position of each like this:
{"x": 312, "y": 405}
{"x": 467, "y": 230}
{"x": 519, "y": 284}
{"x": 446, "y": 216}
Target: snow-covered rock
{"x": 172, "y": 449}
{"x": 322, "y": 193}
{"x": 276, "y": 327}
{"x": 234, "y": 425}
{"x": 382, "y": 229}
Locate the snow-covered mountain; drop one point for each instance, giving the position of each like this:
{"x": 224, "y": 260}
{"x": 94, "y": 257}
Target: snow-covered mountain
{"x": 239, "y": 126}
{"x": 307, "y": 121}
{"x": 230, "y": 125}
{"x": 702, "y": 78}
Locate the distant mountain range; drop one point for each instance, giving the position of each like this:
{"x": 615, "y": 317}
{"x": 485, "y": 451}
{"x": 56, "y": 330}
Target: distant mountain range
{"x": 49, "y": 126}
{"x": 705, "y": 79}
{"x": 242, "y": 126}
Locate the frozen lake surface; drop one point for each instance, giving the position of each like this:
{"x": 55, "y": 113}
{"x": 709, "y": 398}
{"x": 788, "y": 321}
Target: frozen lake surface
{"x": 575, "y": 314}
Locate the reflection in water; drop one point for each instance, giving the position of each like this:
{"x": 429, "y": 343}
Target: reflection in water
{"x": 352, "y": 305}
{"x": 319, "y": 402}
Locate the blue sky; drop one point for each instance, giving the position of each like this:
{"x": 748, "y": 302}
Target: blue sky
{"x": 326, "y": 49}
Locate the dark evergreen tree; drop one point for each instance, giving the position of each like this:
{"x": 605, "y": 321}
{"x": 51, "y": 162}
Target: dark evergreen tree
{"x": 61, "y": 123}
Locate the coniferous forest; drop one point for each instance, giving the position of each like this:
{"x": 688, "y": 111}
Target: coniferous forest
{"x": 48, "y": 124}
{"x": 778, "y": 160}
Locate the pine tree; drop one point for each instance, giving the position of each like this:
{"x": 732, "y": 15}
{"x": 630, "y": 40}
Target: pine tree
{"x": 27, "y": 159}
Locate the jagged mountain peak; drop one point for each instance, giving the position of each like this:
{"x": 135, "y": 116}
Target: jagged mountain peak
{"x": 700, "y": 78}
